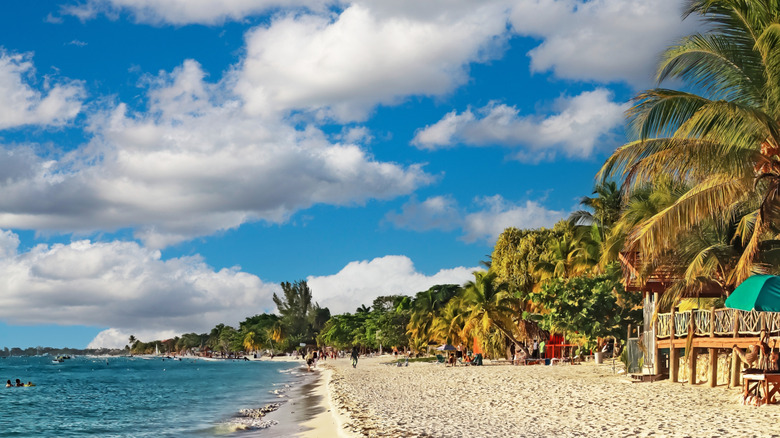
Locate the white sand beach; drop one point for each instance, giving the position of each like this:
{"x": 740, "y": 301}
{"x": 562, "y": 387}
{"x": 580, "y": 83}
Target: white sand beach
{"x": 429, "y": 400}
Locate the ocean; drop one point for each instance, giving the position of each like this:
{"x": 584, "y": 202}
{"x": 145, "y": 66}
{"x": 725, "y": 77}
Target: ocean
{"x": 137, "y": 397}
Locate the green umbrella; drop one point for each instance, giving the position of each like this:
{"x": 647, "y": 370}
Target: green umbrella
{"x": 759, "y": 292}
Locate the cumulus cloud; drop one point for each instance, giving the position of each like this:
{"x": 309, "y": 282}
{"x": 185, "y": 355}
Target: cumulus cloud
{"x": 123, "y": 286}
{"x": 192, "y": 165}
{"x": 434, "y": 213}
{"x": 602, "y": 40}
{"x": 576, "y": 129}
{"x": 361, "y": 282}
{"x": 484, "y": 221}
{"x": 370, "y": 53}
{"x": 22, "y": 103}
{"x": 180, "y": 12}
{"x": 498, "y": 214}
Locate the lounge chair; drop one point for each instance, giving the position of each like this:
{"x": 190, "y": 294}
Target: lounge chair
{"x": 439, "y": 358}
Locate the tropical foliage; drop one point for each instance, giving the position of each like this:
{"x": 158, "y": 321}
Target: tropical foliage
{"x": 718, "y": 142}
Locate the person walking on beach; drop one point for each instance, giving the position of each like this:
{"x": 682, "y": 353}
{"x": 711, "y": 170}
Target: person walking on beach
{"x": 309, "y": 360}
{"x": 535, "y": 353}
{"x": 355, "y": 356}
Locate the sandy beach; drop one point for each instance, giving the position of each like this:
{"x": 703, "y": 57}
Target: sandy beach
{"x": 428, "y": 400}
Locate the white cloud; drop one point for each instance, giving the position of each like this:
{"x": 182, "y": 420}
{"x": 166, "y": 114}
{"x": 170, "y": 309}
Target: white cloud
{"x": 192, "y": 165}
{"x": 123, "y": 286}
{"x": 577, "y": 127}
{"x": 361, "y": 282}
{"x": 484, "y": 221}
{"x": 434, "y": 213}
{"x": 180, "y": 12}
{"x": 371, "y": 53}
{"x": 498, "y": 215}
{"x": 597, "y": 40}
{"x": 116, "y": 338}
{"x": 21, "y": 103}
{"x": 600, "y": 40}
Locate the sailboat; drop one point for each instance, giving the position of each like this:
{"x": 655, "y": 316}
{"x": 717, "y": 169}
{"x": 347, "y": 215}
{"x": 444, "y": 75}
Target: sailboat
{"x": 156, "y": 350}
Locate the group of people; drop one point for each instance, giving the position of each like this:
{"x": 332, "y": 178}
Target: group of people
{"x": 19, "y": 384}
{"x": 532, "y": 350}
{"x": 313, "y": 355}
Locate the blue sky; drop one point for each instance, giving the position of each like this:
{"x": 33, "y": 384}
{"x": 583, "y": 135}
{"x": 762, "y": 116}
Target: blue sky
{"x": 165, "y": 164}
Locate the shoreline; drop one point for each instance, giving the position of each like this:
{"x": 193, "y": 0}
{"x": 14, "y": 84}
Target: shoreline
{"x": 306, "y": 410}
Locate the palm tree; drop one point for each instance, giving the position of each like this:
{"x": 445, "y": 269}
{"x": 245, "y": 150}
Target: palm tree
{"x": 490, "y": 306}
{"x": 252, "y": 341}
{"x": 605, "y": 206}
{"x": 593, "y": 238}
{"x": 425, "y": 308}
{"x": 562, "y": 260}
{"x": 723, "y": 143}
{"x": 447, "y": 325}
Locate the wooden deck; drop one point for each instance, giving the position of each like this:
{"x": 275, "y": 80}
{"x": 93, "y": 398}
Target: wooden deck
{"x": 699, "y": 342}
{"x": 715, "y": 331}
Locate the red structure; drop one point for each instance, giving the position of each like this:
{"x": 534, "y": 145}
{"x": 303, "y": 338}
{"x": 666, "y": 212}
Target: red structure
{"x": 557, "y": 346}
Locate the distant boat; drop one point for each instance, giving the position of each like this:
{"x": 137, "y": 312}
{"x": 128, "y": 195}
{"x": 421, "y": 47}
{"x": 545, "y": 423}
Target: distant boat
{"x": 156, "y": 350}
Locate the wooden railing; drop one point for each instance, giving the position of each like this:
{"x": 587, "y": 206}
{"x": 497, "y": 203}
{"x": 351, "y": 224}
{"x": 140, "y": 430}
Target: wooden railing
{"x": 718, "y": 322}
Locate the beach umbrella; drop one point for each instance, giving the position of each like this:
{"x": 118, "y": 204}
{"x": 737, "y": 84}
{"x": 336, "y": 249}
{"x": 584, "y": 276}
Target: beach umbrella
{"x": 445, "y": 347}
{"x": 759, "y": 292}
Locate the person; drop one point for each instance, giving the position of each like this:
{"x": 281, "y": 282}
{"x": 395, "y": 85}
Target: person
{"x": 541, "y": 349}
{"x": 30, "y": 384}
{"x": 355, "y": 355}
{"x": 452, "y": 359}
{"x": 8, "y": 383}
{"x": 460, "y": 352}
{"x": 535, "y": 353}
{"x": 521, "y": 356}
{"x": 309, "y": 360}
{"x": 19, "y": 383}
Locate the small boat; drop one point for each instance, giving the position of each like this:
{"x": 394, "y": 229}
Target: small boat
{"x": 58, "y": 360}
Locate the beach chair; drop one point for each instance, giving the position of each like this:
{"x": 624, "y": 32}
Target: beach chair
{"x": 439, "y": 358}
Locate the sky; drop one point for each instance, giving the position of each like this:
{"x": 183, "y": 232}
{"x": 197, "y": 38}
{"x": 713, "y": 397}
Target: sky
{"x": 166, "y": 164}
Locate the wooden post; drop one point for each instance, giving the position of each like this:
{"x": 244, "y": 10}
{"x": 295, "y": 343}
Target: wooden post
{"x": 657, "y": 351}
{"x": 735, "y": 361}
{"x": 674, "y": 359}
{"x": 693, "y": 355}
{"x": 713, "y": 379}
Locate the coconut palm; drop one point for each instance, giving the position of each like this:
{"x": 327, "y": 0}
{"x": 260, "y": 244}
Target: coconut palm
{"x": 252, "y": 341}
{"x": 595, "y": 246}
{"x": 491, "y": 307}
{"x": 722, "y": 143}
{"x": 562, "y": 259}
{"x": 447, "y": 326}
{"x": 425, "y": 308}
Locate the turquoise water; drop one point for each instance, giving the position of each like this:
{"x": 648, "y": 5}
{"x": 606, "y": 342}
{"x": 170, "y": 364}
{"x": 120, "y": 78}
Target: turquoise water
{"x": 133, "y": 397}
